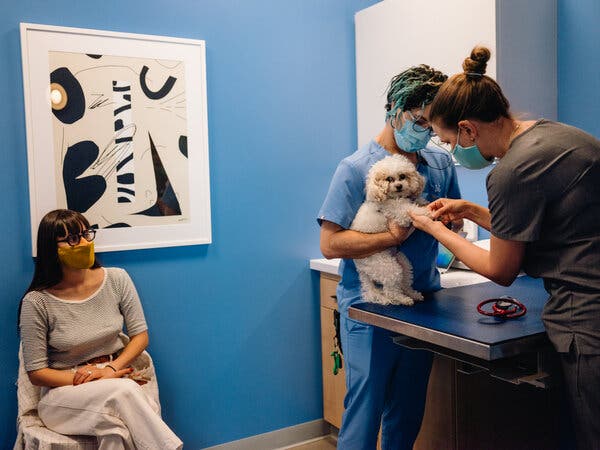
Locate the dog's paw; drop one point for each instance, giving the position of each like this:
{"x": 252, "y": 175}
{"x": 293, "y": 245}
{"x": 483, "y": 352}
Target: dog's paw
{"x": 420, "y": 201}
{"x": 403, "y": 300}
{"x": 374, "y": 295}
{"x": 403, "y": 222}
{"x": 417, "y": 296}
{"x": 421, "y": 211}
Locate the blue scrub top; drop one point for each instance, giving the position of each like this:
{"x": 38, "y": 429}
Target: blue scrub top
{"x": 347, "y": 193}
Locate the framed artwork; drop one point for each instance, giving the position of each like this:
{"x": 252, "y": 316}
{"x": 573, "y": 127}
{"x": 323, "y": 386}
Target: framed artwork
{"x": 117, "y": 129}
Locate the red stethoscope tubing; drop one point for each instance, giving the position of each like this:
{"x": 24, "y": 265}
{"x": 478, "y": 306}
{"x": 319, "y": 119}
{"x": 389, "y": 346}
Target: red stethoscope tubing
{"x": 517, "y": 309}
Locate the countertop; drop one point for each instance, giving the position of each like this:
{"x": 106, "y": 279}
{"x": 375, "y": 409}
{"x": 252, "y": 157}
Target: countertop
{"x": 451, "y": 278}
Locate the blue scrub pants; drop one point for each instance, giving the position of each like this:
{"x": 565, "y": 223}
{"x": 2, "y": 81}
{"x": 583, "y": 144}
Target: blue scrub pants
{"x": 386, "y": 384}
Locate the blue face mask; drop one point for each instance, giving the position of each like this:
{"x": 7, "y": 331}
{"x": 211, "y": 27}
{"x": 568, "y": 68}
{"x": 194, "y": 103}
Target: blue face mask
{"x": 469, "y": 157}
{"x": 412, "y": 137}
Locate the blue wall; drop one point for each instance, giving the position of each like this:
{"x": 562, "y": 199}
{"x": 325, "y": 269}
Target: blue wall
{"x": 579, "y": 64}
{"x": 472, "y": 188}
{"x": 235, "y": 325}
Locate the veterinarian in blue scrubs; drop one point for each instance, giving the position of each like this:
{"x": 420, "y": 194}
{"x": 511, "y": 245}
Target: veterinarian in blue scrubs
{"x": 544, "y": 218}
{"x": 386, "y": 384}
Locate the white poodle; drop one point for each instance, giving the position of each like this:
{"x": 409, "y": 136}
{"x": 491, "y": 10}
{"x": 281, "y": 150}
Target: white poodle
{"x": 393, "y": 189}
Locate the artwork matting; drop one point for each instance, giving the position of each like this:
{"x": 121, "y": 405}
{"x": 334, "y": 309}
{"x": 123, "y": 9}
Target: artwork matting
{"x": 159, "y": 108}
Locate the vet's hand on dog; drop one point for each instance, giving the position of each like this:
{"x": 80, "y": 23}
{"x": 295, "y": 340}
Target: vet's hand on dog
{"x": 400, "y": 234}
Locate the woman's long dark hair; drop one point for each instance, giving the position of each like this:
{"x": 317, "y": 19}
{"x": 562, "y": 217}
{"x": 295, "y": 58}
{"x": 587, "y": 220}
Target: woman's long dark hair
{"x": 48, "y": 270}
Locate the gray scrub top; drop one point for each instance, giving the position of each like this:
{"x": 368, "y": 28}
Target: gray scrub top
{"x": 546, "y": 192}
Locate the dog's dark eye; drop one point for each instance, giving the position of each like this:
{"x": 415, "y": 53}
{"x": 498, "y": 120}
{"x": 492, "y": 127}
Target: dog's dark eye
{"x": 402, "y": 176}
{"x": 389, "y": 179}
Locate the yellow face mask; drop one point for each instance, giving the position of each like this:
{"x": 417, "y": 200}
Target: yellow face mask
{"x": 78, "y": 257}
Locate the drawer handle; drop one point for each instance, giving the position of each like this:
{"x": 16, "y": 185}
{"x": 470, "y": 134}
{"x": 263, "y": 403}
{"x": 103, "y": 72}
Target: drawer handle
{"x": 337, "y": 339}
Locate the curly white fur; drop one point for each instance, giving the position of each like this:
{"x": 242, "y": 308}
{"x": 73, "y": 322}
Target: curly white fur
{"x": 393, "y": 189}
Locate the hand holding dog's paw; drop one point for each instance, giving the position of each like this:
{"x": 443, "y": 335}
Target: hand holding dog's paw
{"x": 421, "y": 211}
{"x": 424, "y": 222}
{"x": 421, "y": 202}
{"x": 399, "y": 233}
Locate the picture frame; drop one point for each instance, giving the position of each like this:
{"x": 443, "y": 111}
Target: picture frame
{"x": 117, "y": 129}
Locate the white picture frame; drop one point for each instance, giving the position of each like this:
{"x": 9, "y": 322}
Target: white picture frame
{"x": 173, "y": 106}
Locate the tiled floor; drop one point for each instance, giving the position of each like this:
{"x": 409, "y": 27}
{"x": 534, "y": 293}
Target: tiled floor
{"x": 324, "y": 443}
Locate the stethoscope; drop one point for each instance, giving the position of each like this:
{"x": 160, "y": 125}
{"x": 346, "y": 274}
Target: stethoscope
{"x": 504, "y": 307}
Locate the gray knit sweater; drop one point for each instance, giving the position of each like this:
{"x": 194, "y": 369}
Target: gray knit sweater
{"x": 60, "y": 333}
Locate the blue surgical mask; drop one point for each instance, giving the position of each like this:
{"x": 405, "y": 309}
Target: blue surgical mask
{"x": 469, "y": 157}
{"x": 411, "y": 137}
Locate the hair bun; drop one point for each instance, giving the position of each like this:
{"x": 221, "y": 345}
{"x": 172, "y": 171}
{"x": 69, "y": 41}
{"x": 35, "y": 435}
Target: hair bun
{"x": 477, "y": 62}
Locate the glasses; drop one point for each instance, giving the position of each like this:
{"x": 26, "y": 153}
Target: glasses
{"x": 419, "y": 123}
{"x": 435, "y": 140}
{"x": 75, "y": 239}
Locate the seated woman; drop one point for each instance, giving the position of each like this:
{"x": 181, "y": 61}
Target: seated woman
{"x": 71, "y": 320}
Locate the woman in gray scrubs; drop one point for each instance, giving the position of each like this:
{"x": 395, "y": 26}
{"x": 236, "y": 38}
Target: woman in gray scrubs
{"x": 544, "y": 218}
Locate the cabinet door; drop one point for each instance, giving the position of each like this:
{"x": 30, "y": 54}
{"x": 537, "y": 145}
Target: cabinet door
{"x": 496, "y": 415}
{"x": 328, "y": 286}
{"x": 334, "y": 386}
{"x": 438, "y": 427}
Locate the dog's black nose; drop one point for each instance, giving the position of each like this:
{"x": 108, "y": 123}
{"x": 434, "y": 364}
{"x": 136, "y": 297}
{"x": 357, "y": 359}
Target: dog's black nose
{"x": 399, "y": 187}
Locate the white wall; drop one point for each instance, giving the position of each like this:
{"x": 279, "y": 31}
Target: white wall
{"x": 394, "y": 35}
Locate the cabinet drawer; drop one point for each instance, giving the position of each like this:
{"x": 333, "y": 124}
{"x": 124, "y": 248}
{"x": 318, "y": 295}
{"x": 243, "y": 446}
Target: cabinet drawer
{"x": 328, "y": 286}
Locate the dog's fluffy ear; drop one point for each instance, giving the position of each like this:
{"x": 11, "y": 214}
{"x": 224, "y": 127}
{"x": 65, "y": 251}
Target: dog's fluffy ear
{"x": 376, "y": 187}
{"x": 417, "y": 183}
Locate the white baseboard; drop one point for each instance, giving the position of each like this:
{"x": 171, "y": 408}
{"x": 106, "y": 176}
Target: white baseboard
{"x": 279, "y": 438}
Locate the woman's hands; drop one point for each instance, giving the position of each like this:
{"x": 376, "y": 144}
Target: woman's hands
{"x": 425, "y": 223}
{"x": 91, "y": 372}
{"x": 446, "y": 211}
{"x": 69, "y": 377}
{"x": 449, "y": 210}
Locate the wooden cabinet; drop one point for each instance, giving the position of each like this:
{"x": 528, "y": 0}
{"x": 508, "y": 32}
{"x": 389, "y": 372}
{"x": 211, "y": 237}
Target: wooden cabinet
{"x": 334, "y": 386}
{"x": 438, "y": 431}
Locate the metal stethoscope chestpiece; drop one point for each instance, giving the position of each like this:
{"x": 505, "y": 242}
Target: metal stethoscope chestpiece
{"x": 504, "y": 307}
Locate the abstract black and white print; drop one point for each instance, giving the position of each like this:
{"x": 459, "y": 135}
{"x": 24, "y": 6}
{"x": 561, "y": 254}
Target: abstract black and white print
{"x": 120, "y": 138}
